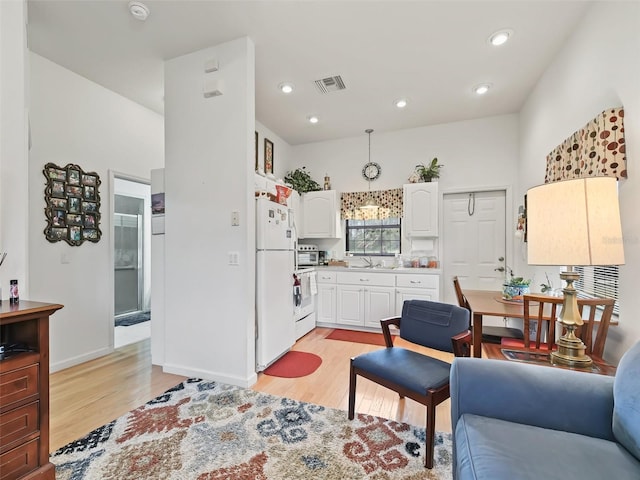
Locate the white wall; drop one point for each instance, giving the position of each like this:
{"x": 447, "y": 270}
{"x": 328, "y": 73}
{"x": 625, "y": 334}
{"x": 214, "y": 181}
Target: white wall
{"x": 475, "y": 154}
{"x": 14, "y": 165}
{"x": 77, "y": 121}
{"x": 282, "y": 151}
{"x": 209, "y": 172}
{"x": 598, "y": 68}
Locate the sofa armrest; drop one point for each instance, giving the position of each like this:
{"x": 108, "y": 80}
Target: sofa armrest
{"x": 535, "y": 395}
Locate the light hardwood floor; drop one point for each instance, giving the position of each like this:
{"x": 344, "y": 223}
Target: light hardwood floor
{"x": 89, "y": 395}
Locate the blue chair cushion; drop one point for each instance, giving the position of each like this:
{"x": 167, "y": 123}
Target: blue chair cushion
{"x": 626, "y": 394}
{"x": 406, "y": 368}
{"x": 488, "y": 448}
{"x": 432, "y": 324}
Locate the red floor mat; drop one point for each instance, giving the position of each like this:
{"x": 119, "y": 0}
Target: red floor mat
{"x": 294, "y": 364}
{"x": 358, "y": 337}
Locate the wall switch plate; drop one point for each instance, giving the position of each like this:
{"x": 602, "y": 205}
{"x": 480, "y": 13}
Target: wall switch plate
{"x": 235, "y": 218}
{"x": 234, "y": 258}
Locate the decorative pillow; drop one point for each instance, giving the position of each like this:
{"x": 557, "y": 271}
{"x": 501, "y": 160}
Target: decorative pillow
{"x": 626, "y": 395}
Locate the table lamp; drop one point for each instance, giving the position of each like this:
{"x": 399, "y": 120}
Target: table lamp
{"x": 574, "y": 223}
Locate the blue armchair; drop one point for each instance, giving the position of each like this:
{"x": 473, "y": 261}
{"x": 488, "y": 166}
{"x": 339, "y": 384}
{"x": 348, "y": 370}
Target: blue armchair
{"x": 518, "y": 421}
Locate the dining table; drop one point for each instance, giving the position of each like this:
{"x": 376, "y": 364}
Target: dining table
{"x": 491, "y": 304}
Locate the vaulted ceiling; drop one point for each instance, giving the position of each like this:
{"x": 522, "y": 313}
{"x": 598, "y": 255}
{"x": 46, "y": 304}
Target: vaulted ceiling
{"x": 433, "y": 53}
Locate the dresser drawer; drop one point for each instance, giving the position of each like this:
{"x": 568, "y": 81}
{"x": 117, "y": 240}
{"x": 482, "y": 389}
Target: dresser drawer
{"x": 366, "y": 278}
{"x": 19, "y": 461}
{"x": 327, "y": 277}
{"x": 18, "y": 423}
{"x": 412, "y": 280}
{"x": 18, "y": 384}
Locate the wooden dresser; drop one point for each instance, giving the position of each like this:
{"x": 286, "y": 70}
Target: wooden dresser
{"x": 24, "y": 391}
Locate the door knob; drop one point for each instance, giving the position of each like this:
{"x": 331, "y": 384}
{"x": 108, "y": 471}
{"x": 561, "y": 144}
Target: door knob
{"x": 499, "y": 269}
{"x": 501, "y": 259}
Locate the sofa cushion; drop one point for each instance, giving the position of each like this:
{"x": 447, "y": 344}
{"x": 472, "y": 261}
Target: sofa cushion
{"x": 626, "y": 407}
{"x": 491, "y": 449}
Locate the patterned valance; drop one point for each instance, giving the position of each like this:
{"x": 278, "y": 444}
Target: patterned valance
{"x": 597, "y": 149}
{"x": 390, "y": 202}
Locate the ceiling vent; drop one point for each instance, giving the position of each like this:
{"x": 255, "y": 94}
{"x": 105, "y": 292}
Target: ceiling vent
{"x": 330, "y": 84}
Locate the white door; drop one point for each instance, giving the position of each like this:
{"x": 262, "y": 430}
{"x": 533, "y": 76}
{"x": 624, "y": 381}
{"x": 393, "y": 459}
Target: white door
{"x": 474, "y": 241}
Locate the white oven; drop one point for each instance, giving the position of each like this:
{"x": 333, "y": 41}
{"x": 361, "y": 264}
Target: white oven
{"x": 305, "y": 291}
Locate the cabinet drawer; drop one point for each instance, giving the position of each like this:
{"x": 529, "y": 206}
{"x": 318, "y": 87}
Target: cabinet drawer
{"x": 18, "y": 423}
{"x": 411, "y": 280}
{"x": 19, "y": 461}
{"x": 327, "y": 277}
{"x": 18, "y": 384}
{"x": 366, "y": 278}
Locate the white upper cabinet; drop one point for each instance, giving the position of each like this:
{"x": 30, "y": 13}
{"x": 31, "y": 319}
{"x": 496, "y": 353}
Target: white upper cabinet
{"x": 420, "y": 209}
{"x": 321, "y": 214}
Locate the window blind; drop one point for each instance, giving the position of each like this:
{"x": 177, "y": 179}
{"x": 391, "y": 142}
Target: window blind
{"x": 598, "y": 282}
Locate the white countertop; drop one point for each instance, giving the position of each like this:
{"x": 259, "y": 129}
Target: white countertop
{"x": 402, "y": 270}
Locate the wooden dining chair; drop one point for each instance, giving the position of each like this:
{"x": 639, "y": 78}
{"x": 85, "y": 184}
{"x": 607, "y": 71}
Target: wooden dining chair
{"x": 422, "y": 378}
{"x": 490, "y": 334}
{"x": 543, "y": 310}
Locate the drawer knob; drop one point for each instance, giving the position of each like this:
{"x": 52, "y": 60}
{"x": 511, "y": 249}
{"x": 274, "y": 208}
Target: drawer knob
{"x": 364, "y": 279}
{"x": 415, "y": 281}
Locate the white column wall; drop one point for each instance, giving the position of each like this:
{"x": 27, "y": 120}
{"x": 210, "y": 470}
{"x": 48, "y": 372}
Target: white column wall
{"x": 77, "y": 121}
{"x": 597, "y": 68}
{"x": 14, "y": 165}
{"x": 209, "y": 172}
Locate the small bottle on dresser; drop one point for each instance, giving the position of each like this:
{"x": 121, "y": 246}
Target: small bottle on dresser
{"x": 14, "y": 297}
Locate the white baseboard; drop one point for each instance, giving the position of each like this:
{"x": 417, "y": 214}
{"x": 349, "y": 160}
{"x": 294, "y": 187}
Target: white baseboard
{"x": 207, "y": 375}
{"x": 73, "y": 361}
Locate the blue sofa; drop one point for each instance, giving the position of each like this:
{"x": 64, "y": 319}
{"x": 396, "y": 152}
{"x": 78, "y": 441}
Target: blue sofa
{"x": 518, "y": 421}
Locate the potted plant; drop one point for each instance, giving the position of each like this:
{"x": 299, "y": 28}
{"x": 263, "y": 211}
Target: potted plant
{"x": 429, "y": 172}
{"x": 515, "y": 287}
{"x": 301, "y": 181}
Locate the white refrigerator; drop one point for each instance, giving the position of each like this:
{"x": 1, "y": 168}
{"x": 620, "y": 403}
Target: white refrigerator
{"x": 275, "y": 256}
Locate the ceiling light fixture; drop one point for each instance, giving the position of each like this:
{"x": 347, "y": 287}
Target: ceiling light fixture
{"x": 139, "y": 10}
{"x": 286, "y": 87}
{"x": 401, "y": 103}
{"x": 500, "y": 37}
{"x": 481, "y": 89}
{"x": 313, "y": 119}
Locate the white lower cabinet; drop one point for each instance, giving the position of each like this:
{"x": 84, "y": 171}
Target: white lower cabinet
{"x": 379, "y": 303}
{"x": 327, "y": 295}
{"x": 416, "y": 287}
{"x": 350, "y": 305}
{"x": 363, "y": 298}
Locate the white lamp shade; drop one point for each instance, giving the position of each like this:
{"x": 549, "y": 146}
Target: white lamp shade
{"x": 575, "y": 222}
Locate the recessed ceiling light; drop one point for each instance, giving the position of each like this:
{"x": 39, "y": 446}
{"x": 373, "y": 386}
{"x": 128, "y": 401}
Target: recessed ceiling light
{"x": 400, "y": 103}
{"x": 286, "y": 87}
{"x": 139, "y": 10}
{"x": 481, "y": 89}
{"x": 313, "y": 119}
{"x": 500, "y": 37}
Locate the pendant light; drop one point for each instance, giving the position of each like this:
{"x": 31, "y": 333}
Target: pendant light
{"x": 369, "y": 203}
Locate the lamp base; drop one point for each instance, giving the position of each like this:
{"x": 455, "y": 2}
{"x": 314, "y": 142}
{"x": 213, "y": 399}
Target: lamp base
{"x": 570, "y": 353}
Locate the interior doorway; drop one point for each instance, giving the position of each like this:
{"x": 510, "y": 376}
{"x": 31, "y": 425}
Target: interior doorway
{"x": 474, "y": 236}
{"x": 132, "y": 260}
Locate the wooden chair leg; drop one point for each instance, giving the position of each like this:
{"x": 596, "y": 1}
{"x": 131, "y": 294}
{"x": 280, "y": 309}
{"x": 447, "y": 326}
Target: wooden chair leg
{"x": 430, "y": 435}
{"x": 352, "y": 391}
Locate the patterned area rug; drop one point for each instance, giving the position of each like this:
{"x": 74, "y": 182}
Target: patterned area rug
{"x": 203, "y": 430}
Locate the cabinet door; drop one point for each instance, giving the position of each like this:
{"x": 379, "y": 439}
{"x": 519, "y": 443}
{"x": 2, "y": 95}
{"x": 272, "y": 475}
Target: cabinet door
{"x": 326, "y": 303}
{"x": 379, "y": 303}
{"x": 350, "y": 305}
{"x": 403, "y": 294}
{"x": 421, "y": 209}
{"x": 320, "y": 214}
